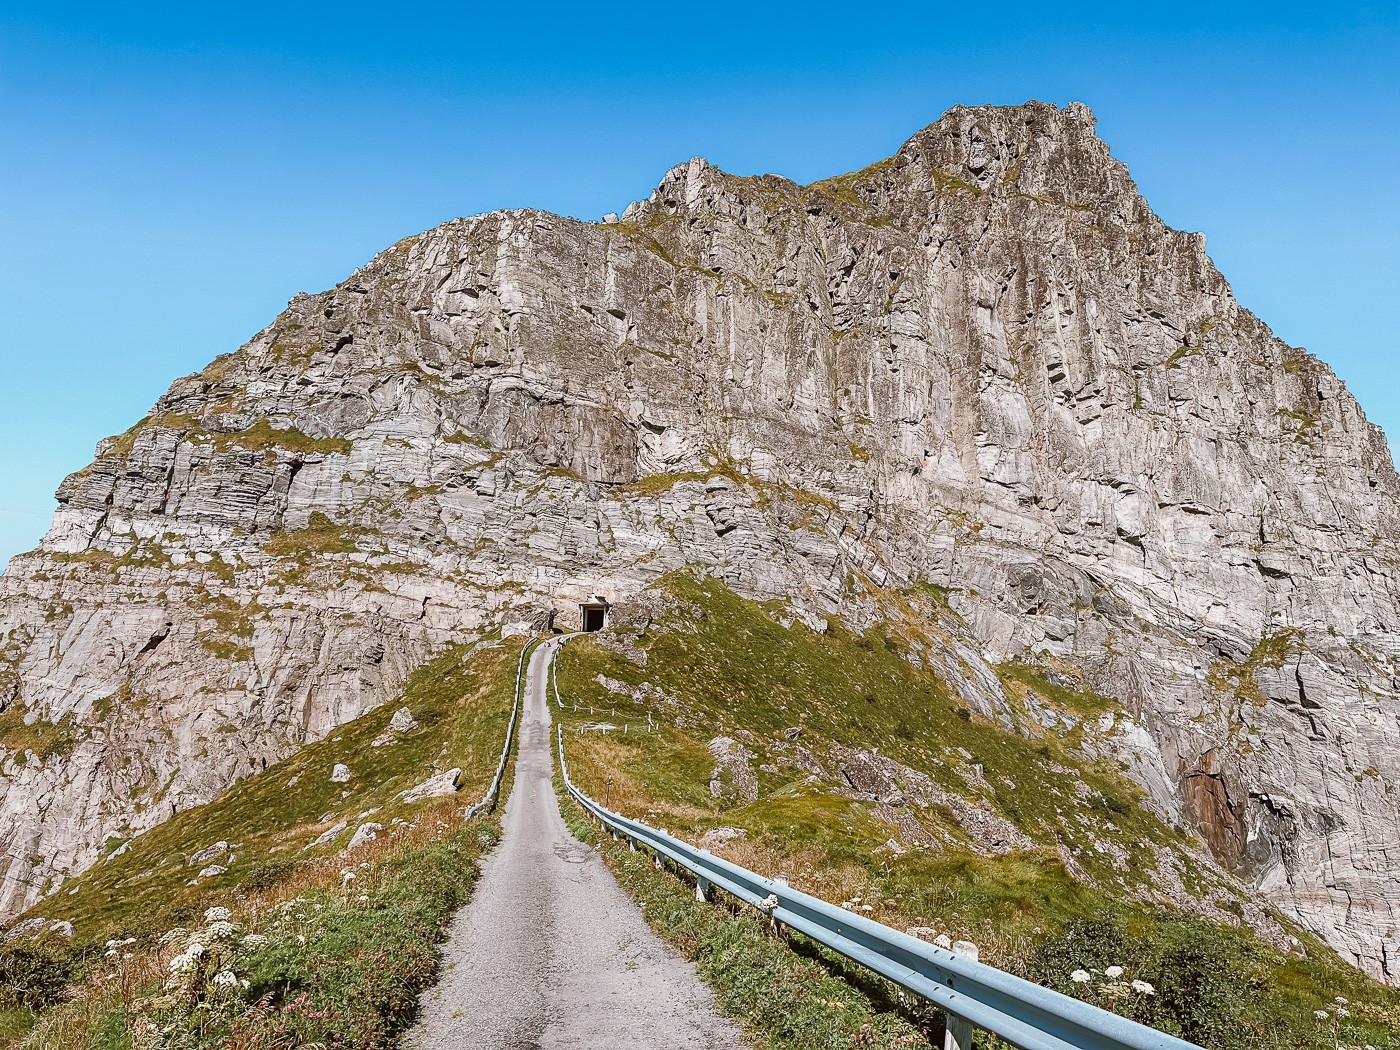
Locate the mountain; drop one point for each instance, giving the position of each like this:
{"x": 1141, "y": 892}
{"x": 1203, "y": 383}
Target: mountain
{"x": 981, "y": 366}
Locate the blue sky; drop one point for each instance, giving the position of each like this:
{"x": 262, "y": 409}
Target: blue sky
{"x": 170, "y": 175}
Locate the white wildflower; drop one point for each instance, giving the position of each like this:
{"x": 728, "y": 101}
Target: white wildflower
{"x": 1144, "y": 988}
{"x": 1080, "y": 977}
{"x": 216, "y": 915}
{"x": 221, "y": 931}
{"x": 111, "y": 953}
{"x": 1113, "y": 972}
{"x": 1342, "y": 1011}
{"x": 173, "y": 935}
{"x": 1321, "y": 1015}
{"x": 225, "y": 979}
{"x": 182, "y": 964}
{"x": 1341, "y": 1001}
{"x": 253, "y": 940}
{"x": 195, "y": 950}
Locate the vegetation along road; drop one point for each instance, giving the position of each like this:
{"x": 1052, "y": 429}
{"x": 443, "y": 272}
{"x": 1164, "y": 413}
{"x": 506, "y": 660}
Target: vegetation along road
{"x": 551, "y": 952}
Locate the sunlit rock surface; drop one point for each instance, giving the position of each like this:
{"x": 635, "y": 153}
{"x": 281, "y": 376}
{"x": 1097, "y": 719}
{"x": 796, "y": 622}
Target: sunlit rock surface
{"x": 983, "y": 364}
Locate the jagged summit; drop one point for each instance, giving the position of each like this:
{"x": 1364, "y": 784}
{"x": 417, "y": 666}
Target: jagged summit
{"x": 1034, "y": 151}
{"x": 982, "y": 364}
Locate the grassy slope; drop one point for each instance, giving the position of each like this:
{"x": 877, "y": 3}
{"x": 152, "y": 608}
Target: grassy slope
{"x": 729, "y": 668}
{"x": 413, "y": 875}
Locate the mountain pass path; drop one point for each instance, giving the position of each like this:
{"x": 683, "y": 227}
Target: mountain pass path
{"x": 550, "y": 952}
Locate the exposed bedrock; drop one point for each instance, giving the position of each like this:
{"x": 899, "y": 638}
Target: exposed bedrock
{"x": 983, "y": 363}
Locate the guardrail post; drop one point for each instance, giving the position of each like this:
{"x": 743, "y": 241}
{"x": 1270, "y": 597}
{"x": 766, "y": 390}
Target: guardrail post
{"x": 959, "y": 1031}
{"x": 959, "y": 1034}
{"x": 702, "y": 889}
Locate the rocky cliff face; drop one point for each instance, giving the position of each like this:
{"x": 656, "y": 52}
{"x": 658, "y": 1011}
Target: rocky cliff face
{"x": 982, "y": 363}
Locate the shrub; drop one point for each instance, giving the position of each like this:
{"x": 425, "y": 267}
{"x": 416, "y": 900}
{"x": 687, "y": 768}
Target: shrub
{"x": 267, "y": 875}
{"x": 35, "y": 975}
{"x": 1182, "y": 975}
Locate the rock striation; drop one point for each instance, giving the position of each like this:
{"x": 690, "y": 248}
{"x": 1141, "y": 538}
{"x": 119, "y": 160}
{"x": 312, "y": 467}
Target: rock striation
{"x": 982, "y": 364}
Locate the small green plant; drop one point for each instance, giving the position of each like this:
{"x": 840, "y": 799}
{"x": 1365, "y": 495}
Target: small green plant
{"x": 337, "y": 966}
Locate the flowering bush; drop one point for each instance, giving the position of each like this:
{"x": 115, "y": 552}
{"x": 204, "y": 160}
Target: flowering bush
{"x": 1108, "y": 990}
{"x": 1180, "y": 975}
{"x": 205, "y": 968}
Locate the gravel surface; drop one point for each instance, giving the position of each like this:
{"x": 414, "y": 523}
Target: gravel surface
{"x": 550, "y": 952}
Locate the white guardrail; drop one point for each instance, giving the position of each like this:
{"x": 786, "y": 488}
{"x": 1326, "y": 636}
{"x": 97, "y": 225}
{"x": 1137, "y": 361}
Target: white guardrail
{"x": 972, "y": 994}
{"x": 488, "y": 801}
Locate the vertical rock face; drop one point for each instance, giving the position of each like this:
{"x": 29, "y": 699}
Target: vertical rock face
{"x": 982, "y": 363}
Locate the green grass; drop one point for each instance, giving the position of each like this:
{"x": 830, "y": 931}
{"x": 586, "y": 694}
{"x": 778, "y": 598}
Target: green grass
{"x": 39, "y": 737}
{"x": 461, "y": 706}
{"x": 843, "y": 187}
{"x": 653, "y": 485}
{"x": 744, "y": 671}
{"x": 1271, "y": 651}
{"x": 339, "y": 970}
{"x": 363, "y": 959}
{"x": 320, "y": 536}
{"x": 263, "y": 435}
{"x": 721, "y": 665}
{"x": 1180, "y": 354}
{"x": 1062, "y": 697}
{"x": 15, "y": 1024}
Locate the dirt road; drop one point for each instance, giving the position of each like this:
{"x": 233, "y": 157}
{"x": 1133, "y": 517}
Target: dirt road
{"x": 550, "y": 952}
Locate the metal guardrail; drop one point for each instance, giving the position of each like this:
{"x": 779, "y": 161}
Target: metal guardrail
{"x": 554, "y": 677}
{"x": 488, "y": 801}
{"x": 972, "y": 994}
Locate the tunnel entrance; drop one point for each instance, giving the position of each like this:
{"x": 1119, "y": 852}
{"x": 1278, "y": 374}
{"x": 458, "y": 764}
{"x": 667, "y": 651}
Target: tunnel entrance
{"x": 594, "y": 616}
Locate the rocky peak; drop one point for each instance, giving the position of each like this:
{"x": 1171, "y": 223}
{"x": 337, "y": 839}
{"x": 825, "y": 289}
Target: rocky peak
{"x": 1035, "y": 151}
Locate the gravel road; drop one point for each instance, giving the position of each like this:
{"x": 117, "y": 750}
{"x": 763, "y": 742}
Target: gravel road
{"x": 550, "y": 952}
